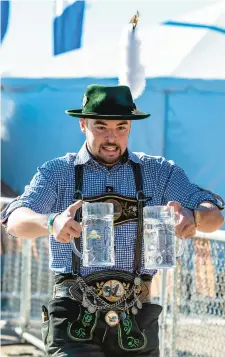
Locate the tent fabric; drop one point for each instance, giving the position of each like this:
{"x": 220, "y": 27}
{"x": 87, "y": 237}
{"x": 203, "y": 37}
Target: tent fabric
{"x": 185, "y": 88}
{"x": 187, "y": 125}
{"x": 67, "y": 28}
{"x": 166, "y": 50}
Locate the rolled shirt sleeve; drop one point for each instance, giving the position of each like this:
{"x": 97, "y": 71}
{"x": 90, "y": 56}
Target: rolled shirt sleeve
{"x": 177, "y": 187}
{"x": 40, "y": 195}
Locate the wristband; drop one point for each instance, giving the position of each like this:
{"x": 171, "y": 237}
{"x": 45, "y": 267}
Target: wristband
{"x": 51, "y": 219}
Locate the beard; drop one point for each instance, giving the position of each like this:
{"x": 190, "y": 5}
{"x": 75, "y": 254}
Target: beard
{"x": 104, "y": 158}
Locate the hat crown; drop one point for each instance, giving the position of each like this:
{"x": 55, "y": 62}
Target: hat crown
{"x": 108, "y": 103}
{"x": 115, "y": 100}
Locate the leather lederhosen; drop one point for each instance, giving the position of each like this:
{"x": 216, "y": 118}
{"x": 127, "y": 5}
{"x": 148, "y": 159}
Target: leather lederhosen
{"x": 120, "y": 313}
{"x": 127, "y": 322}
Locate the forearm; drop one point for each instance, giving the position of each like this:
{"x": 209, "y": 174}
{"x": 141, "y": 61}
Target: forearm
{"x": 25, "y": 223}
{"x": 208, "y": 217}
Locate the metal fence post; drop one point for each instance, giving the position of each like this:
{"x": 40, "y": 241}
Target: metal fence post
{"x": 173, "y": 314}
{"x": 25, "y": 293}
{"x": 163, "y": 303}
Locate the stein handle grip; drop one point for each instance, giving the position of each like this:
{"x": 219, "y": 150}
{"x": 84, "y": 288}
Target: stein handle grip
{"x": 181, "y": 249}
{"x": 74, "y": 248}
{"x": 72, "y": 242}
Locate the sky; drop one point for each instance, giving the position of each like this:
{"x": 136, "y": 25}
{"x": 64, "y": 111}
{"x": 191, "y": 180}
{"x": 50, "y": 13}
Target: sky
{"x": 28, "y": 41}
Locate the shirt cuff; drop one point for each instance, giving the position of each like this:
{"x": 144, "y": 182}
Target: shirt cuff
{"x": 16, "y": 203}
{"x": 202, "y": 196}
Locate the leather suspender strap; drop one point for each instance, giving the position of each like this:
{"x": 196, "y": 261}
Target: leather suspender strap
{"x": 140, "y": 201}
{"x": 77, "y": 196}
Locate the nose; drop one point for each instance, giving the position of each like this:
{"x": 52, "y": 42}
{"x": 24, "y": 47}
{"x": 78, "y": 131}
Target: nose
{"x": 111, "y": 136}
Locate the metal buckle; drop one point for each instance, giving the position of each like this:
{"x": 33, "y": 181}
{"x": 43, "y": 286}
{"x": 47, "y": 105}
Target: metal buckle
{"x": 78, "y": 195}
{"x": 113, "y": 290}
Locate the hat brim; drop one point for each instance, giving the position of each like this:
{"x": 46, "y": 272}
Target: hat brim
{"x": 77, "y": 113}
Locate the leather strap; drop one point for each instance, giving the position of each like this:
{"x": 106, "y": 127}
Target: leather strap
{"x": 140, "y": 204}
{"x": 78, "y": 216}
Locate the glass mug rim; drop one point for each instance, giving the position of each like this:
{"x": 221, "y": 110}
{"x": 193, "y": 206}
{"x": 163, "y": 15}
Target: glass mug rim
{"x": 97, "y": 208}
{"x": 160, "y": 207}
{"x": 160, "y": 211}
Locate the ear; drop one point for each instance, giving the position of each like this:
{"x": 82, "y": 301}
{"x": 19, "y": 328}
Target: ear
{"x": 83, "y": 125}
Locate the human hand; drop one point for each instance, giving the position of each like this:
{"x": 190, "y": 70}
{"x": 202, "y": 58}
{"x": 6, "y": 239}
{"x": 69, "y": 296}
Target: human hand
{"x": 64, "y": 225}
{"x": 185, "y": 226}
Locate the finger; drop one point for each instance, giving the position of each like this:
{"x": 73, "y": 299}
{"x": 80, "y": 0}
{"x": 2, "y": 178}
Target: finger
{"x": 63, "y": 238}
{"x": 74, "y": 207}
{"x": 188, "y": 232}
{"x": 76, "y": 226}
{"x": 73, "y": 233}
{"x": 182, "y": 222}
{"x": 175, "y": 205}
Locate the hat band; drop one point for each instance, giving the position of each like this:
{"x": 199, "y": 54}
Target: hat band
{"x": 109, "y": 110}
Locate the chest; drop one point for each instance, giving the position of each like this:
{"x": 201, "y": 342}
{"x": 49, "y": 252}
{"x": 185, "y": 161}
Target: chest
{"x": 97, "y": 182}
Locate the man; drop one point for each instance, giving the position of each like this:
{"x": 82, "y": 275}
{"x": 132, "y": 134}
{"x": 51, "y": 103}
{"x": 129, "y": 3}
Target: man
{"x": 82, "y": 321}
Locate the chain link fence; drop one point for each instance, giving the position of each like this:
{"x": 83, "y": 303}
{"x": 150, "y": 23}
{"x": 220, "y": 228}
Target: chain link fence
{"x": 192, "y": 323}
{"x": 200, "y": 299}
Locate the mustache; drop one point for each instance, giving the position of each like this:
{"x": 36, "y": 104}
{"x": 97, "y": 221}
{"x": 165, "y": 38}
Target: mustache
{"x": 110, "y": 145}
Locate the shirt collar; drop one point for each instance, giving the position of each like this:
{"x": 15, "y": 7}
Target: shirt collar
{"x": 83, "y": 157}
{"x": 133, "y": 157}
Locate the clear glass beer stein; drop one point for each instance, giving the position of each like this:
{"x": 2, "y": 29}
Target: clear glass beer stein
{"x": 97, "y": 235}
{"x": 161, "y": 246}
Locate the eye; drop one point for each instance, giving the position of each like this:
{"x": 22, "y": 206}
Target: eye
{"x": 101, "y": 128}
{"x": 121, "y": 128}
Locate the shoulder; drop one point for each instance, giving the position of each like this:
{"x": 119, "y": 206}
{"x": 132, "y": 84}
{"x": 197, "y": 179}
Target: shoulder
{"x": 60, "y": 165}
{"x": 63, "y": 161}
{"x": 158, "y": 162}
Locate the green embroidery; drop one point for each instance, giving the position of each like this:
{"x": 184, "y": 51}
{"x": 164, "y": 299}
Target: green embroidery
{"x": 127, "y": 324}
{"x": 87, "y": 318}
{"x": 80, "y": 332}
{"x": 134, "y": 342}
{"x": 82, "y": 329}
{"x": 137, "y": 341}
{"x": 131, "y": 341}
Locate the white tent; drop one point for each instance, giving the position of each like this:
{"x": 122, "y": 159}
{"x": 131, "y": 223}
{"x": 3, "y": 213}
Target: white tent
{"x": 167, "y": 50}
{"x": 185, "y": 91}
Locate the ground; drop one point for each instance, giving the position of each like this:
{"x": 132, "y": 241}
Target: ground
{"x": 12, "y": 346}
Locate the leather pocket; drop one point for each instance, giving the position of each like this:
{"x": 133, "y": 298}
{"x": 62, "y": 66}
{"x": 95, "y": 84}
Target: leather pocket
{"x": 147, "y": 321}
{"x": 62, "y": 313}
{"x": 83, "y": 327}
{"x": 148, "y": 315}
{"x": 143, "y": 337}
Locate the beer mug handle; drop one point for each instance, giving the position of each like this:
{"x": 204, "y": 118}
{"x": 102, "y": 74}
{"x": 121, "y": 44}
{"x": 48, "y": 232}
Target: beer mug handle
{"x": 74, "y": 248}
{"x": 181, "y": 249}
{"x": 72, "y": 241}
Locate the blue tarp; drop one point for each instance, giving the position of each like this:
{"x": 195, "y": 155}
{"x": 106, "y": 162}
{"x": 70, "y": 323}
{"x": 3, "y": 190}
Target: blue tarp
{"x": 187, "y": 125}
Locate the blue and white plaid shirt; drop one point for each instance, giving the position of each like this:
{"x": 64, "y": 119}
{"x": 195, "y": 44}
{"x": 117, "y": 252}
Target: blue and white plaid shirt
{"x": 52, "y": 188}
